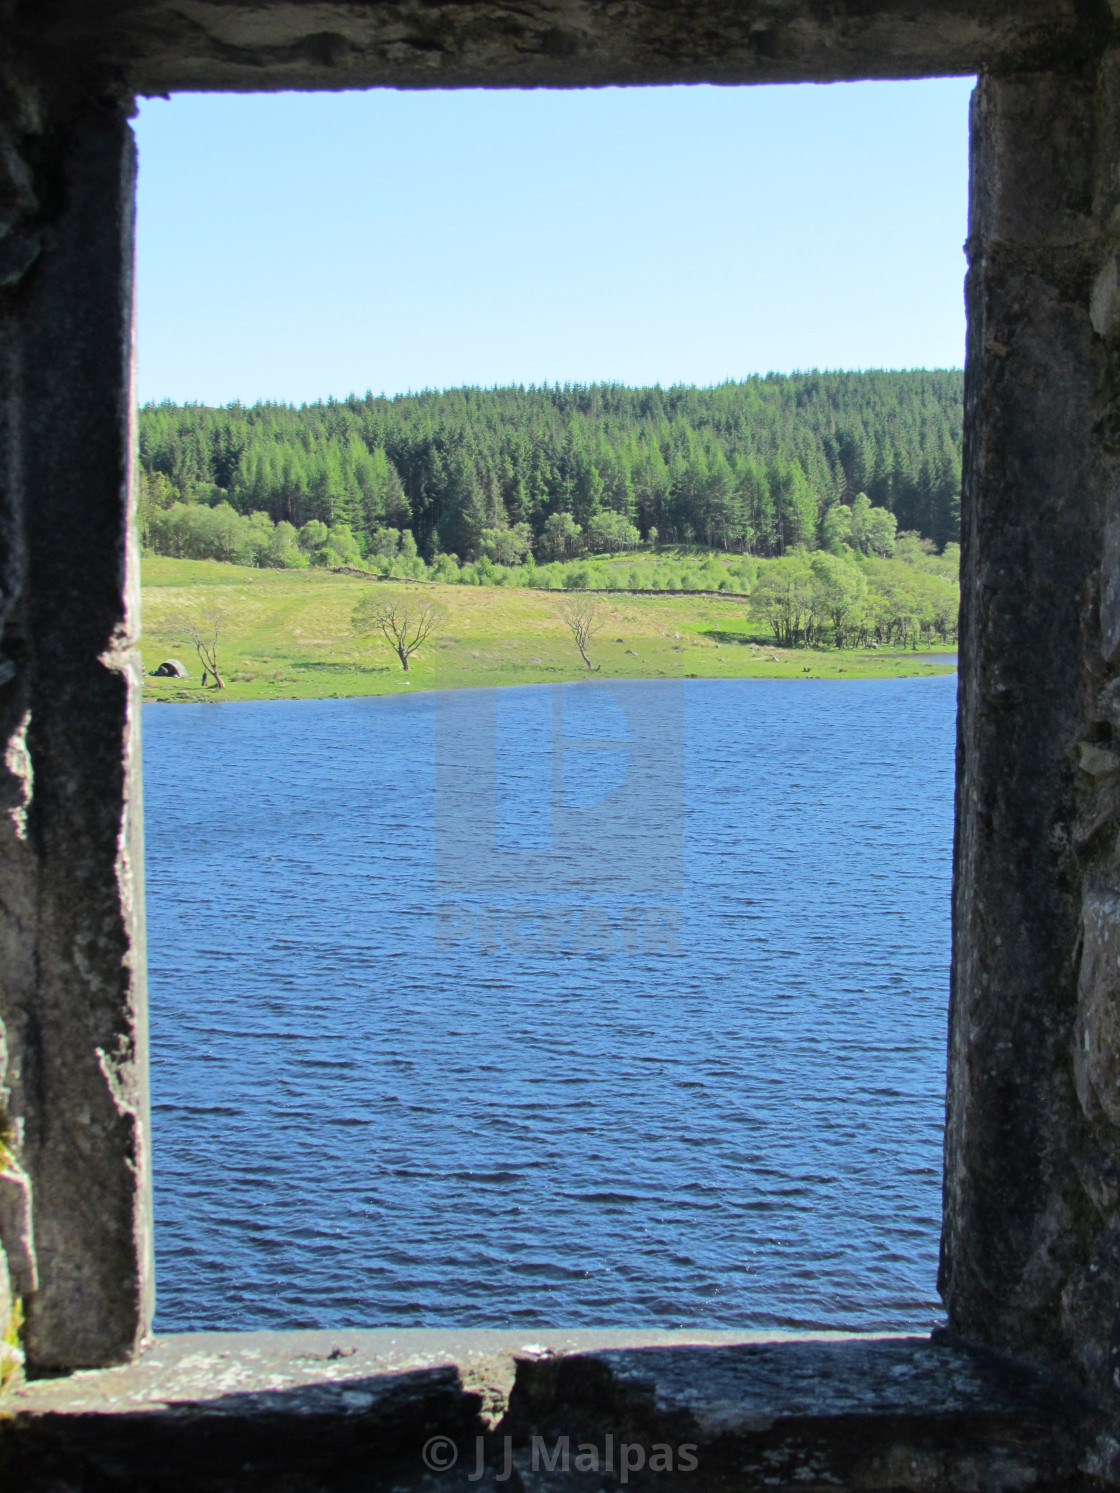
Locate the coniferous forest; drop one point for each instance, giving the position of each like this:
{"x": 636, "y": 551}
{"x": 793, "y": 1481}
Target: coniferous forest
{"x": 754, "y": 466}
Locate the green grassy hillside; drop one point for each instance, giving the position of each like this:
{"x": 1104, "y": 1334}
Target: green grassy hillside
{"x": 286, "y": 635}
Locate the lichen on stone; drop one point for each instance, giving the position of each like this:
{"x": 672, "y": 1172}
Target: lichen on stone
{"x": 17, "y": 1251}
{"x": 11, "y": 1312}
{"x": 11, "y": 1350}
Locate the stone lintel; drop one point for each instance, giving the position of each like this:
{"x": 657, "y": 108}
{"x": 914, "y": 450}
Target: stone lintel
{"x": 351, "y": 1409}
{"x": 164, "y": 45}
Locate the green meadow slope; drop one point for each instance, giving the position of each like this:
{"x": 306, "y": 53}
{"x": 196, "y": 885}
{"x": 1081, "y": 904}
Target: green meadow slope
{"x": 287, "y": 635}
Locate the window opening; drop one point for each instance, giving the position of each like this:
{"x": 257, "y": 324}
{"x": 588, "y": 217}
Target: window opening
{"x": 603, "y": 999}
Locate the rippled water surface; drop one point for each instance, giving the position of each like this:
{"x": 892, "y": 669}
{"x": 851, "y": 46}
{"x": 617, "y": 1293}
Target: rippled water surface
{"x": 597, "y": 1004}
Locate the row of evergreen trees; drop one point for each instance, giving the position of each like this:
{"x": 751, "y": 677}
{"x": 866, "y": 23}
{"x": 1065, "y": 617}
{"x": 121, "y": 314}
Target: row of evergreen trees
{"x": 756, "y": 466}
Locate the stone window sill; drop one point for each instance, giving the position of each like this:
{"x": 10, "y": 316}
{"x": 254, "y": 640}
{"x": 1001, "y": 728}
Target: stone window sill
{"x": 354, "y": 1410}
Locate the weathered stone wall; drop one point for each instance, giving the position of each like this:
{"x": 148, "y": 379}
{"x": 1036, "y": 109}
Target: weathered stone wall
{"x": 71, "y": 916}
{"x": 156, "y": 45}
{"x": 1031, "y": 1244}
{"x": 1031, "y": 1253}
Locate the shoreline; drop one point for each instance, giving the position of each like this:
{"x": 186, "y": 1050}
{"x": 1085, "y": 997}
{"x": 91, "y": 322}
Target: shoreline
{"x": 196, "y": 695}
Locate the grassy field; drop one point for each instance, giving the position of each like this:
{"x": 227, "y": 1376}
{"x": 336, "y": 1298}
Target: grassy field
{"x": 286, "y": 635}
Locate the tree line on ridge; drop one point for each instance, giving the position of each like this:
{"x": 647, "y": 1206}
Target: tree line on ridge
{"x": 510, "y": 476}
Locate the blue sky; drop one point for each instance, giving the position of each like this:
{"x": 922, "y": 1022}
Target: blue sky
{"x": 295, "y": 246}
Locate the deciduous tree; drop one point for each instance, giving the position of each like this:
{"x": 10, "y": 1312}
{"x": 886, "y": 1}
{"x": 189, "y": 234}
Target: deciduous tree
{"x": 203, "y": 632}
{"x": 405, "y": 622}
{"x": 584, "y": 616}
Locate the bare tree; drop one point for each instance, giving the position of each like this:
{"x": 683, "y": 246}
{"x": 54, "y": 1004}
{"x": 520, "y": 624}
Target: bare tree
{"x": 204, "y": 634}
{"x": 583, "y": 616}
{"x": 405, "y": 622}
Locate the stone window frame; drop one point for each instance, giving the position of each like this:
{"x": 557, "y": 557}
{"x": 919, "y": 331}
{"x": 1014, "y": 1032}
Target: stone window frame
{"x": 1031, "y": 1234}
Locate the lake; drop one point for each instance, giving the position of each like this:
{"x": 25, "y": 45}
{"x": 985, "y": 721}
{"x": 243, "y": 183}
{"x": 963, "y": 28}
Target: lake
{"x": 614, "y": 1003}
